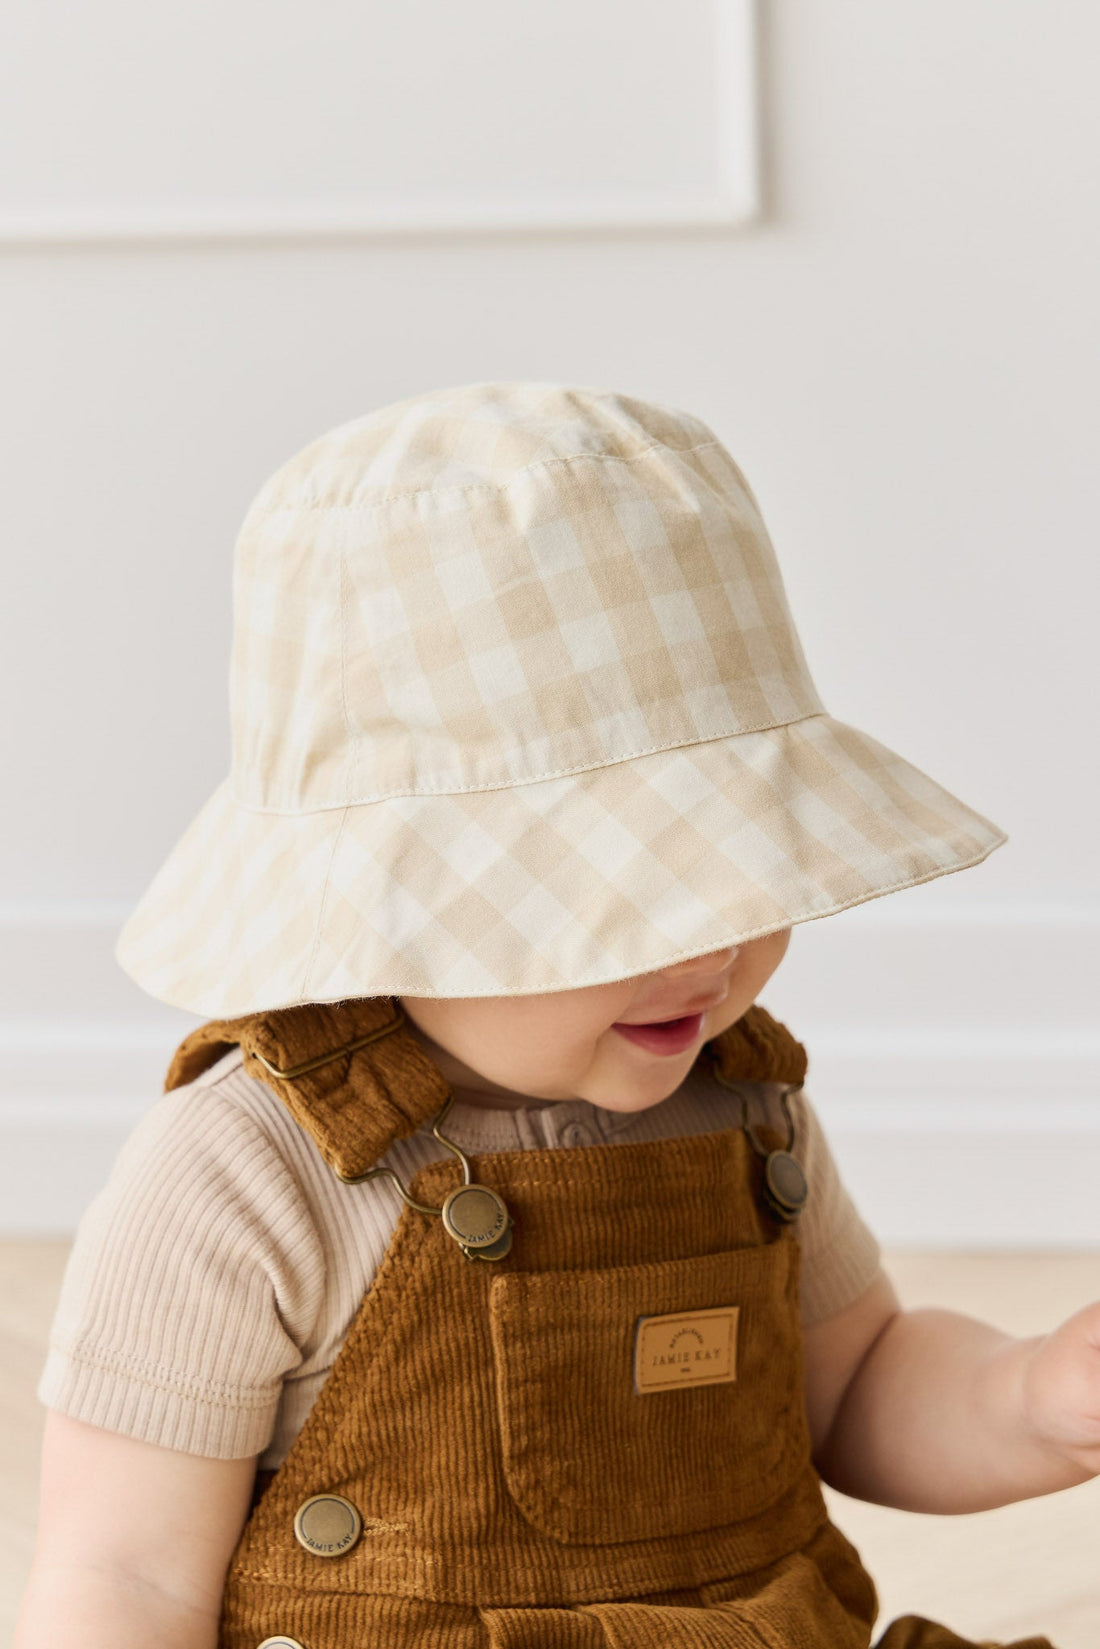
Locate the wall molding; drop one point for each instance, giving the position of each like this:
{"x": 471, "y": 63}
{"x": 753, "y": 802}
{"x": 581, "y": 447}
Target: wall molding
{"x": 259, "y": 224}
{"x": 734, "y": 201}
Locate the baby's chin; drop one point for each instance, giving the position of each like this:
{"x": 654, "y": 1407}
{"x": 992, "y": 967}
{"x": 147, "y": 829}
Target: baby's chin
{"x": 637, "y": 1091}
{"x": 628, "y": 1105}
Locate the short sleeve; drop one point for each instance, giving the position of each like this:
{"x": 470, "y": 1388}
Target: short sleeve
{"x": 840, "y": 1254}
{"x": 194, "y": 1279}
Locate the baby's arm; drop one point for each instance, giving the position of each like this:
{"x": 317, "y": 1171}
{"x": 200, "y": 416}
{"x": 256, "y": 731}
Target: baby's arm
{"x": 935, "y": 1412}
{"x": 133, "y": 1542}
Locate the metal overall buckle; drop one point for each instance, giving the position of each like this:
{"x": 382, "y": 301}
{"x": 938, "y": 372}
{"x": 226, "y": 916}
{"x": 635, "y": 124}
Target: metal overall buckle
{"x": 785, "y": 1185}
{"x": 474, "y": 1215}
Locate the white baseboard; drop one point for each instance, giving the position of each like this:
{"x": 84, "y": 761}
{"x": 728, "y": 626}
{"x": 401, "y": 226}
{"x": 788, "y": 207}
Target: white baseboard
{"x": 954, "y": 1061}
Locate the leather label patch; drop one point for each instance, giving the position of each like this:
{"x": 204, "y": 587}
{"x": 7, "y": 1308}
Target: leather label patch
{"x": 686, "y": 1348}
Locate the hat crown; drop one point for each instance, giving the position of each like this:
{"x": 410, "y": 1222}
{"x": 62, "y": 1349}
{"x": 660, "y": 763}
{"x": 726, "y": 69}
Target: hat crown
{"x": 499, "y": 584}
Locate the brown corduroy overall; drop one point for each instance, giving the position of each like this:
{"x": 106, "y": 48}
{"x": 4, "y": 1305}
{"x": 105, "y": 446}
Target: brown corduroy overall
{"x": 548, "y": 1450}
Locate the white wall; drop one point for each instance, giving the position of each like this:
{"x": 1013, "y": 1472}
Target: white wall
{"x": 900, "y": 349}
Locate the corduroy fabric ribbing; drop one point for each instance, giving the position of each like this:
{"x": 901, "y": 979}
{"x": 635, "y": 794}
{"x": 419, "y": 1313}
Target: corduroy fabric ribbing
{"x": 517, "y": 1488}
{"x": 419, "y": 1427}
{"x": 216, "y": 1275}
{"x": 352, "y": 1106}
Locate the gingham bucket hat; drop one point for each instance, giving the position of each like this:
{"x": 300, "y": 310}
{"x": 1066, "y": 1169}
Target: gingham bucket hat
{"x": 518, "y": 706}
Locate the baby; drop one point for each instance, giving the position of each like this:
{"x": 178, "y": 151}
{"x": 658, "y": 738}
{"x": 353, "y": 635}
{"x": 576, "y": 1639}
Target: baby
{"x": 483, "y": 1280}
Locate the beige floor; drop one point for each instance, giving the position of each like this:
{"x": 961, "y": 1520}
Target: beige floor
{"x": 1034, "y": 1567}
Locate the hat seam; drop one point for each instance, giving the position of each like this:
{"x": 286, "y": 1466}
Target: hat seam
{"x": 385, "y": 496}
{"x": 539, "y": 778}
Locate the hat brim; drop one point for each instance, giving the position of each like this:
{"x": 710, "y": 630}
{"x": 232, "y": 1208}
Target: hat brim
{"x": 566, "y": 882}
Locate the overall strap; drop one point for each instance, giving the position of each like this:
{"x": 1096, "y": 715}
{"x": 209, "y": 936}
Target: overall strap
{"x": 757, "y": 1048}
{"x": 354, "y": 1077}
{"x": 350, "y": 1073}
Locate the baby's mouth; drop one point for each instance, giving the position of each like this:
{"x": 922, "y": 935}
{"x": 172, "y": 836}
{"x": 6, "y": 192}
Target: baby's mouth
{"x": 671, "y": 1036}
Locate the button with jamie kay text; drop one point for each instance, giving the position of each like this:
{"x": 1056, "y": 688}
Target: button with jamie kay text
{"x": 327, "y": 1525}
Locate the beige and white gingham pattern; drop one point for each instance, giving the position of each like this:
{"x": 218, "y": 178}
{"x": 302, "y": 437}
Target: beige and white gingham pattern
{"x": 519, "y": 706}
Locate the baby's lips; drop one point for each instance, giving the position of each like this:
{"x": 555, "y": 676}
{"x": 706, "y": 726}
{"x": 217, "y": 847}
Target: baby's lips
{"x": 670, "y": 1037}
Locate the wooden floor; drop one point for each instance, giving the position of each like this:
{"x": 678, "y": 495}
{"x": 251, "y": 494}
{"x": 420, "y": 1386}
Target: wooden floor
{"x": 1030, "y": 1568}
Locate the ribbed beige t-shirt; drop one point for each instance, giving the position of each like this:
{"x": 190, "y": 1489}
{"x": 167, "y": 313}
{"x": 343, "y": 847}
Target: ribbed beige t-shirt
{"x": 214, "y": 1278}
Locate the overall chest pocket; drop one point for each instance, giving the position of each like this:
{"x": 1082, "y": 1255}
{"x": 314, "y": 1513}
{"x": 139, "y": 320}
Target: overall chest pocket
{"x": 597, "y": 1447}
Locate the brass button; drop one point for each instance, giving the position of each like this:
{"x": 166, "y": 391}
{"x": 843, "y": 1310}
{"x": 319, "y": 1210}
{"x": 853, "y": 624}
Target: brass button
{"x": 475, "y": 1215}
{"x": 280, "y": 1643}
{"x": 785, "y": 1185}
{"x": 496, "y": 1251}
{"x": 328, "y": 1526}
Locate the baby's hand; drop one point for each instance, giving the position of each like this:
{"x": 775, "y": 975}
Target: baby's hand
{"x": 1061, "y": 1389}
